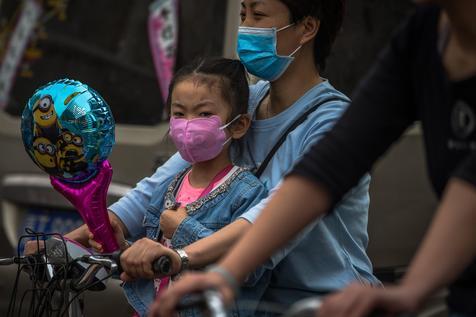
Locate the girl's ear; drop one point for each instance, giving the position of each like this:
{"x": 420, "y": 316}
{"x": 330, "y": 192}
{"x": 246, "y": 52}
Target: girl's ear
{"x": 240, "y": 126}
{"x": 310, "y": 27}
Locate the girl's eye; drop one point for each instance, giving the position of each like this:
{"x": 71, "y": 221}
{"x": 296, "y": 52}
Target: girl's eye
{"x": 205, "y": 114}
{"x": 177, "y": 114}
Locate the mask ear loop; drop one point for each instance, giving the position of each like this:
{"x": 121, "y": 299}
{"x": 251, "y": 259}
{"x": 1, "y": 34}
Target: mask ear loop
{"x": 287, "y": 27}
{"x": 227, "y": 125}
{"x": 295, "y": 51}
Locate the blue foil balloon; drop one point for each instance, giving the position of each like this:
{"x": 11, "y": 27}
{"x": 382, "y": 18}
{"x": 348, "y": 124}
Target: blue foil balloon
{"x": 68, "y": 130}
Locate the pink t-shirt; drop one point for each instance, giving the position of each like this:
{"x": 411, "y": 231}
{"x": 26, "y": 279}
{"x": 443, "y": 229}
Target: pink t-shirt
{"x": 188, "y": 194}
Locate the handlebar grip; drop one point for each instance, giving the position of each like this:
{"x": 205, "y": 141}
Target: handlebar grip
{"x": 196, "y": 300}
{"x": 7, "y": 261}
{"x": 163, "y": 265}
{"x": 116, "y": 257}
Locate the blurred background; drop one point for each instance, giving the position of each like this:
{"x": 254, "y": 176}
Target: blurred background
{"x": 108, "y": 45}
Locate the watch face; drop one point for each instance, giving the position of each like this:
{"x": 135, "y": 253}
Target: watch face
{"x": 183, "y": 258}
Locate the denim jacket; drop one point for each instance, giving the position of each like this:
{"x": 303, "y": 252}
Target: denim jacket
{"x": 239, "y": 192}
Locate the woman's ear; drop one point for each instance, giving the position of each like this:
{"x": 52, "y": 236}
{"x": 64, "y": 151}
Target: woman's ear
{"x": 310, "y": 27}
{"x": 239, "y": 128}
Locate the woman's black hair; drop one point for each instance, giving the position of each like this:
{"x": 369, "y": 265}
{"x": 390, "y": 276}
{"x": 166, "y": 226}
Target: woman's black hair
{"x": 229, "y": 74}
{"x": 330, "y": 13}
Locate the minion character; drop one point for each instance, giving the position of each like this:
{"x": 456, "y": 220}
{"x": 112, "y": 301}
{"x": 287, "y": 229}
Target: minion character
{"x": 70, "y": 152}
{"x": 44, "y": 154}
{"x": 45, "y": 118}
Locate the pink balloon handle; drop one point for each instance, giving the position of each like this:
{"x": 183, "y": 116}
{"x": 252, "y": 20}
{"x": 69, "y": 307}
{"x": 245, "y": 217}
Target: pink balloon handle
{"x": 89, "y": 199}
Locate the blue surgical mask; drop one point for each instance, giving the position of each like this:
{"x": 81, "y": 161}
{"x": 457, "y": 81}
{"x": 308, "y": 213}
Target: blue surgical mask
{"x": 257, "y": 51}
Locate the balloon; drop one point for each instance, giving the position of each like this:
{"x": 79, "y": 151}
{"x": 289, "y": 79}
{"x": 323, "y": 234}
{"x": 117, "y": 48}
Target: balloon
{"x": 67, "y": 129}
{"x": 89, "y": 198}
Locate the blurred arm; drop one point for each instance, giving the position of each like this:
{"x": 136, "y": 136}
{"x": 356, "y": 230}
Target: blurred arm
{"x": 449, "y": 245}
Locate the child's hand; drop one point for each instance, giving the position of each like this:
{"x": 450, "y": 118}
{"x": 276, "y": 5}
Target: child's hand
{"x": 170, "y": 220}
{"x": 33, "y": 247}
{"x": 118, "y": 233}
{"x": 137, "y": 260}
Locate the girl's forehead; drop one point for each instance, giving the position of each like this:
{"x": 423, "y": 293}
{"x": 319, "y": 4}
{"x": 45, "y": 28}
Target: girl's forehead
{"x": 197, "y": 90}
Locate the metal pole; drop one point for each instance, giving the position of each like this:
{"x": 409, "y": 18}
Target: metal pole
{"x": 231, "y": 28}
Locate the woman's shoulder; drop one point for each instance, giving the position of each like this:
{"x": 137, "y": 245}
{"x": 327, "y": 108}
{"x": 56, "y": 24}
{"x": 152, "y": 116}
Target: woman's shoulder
{"x": 257, "y": 92}
{"x": 328, "y": 99}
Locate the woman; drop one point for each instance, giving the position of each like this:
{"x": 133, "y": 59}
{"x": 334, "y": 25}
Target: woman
{"x": 285, "y": 42}
{"x": 428, "y": 72}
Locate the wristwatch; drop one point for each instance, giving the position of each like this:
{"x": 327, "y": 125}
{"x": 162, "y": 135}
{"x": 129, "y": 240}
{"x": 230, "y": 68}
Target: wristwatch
{"x": 184, "y": 261}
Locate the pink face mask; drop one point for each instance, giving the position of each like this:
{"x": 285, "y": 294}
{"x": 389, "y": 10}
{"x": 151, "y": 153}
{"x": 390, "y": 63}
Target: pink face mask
{"x": 200, "y": 139}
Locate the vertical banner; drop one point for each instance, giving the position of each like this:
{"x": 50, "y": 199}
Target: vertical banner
{"x": 163, "y": 38}
{"x": 17, "y": 44}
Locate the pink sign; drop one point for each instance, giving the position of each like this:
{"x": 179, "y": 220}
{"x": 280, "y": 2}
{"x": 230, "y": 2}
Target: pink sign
{"x": 163, "y": 36}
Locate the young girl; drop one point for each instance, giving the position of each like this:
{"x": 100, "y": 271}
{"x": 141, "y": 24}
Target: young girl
{"x": 208, "y": 104}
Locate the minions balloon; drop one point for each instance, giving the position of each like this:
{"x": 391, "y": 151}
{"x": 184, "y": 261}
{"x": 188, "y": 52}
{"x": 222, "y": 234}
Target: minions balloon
{"x": 68, "y": 130}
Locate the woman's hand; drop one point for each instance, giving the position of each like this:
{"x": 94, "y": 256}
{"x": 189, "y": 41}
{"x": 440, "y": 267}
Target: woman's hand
{"x": 361, "y": 300}
{"x": 136, "y": 261}
{"x": 33, "y": 247}
{"x": 117, "y": 228}
{"x": 187, "y": 284}
{"x": 170, "y": 220}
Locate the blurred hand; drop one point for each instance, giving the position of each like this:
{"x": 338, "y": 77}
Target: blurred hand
{"x": 359, "y": 300}
{"x": 136, "y": 261}
{"x": 118, "y": 233}
{"x": 170, "y": 220}
{"x": 80, "y": 235}
{"x": 187, "y": 284}
{"x": 33, "y": 247}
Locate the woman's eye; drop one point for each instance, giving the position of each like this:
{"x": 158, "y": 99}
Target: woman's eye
{"x": 259, "y": 14}
{"x": 242, "y": 16}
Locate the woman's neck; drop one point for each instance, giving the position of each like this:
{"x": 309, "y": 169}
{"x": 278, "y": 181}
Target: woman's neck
{"x": 294, "y": 83}
{"x": 461, "y": 15}
{"x": 202, "y": 173}
{"x": 459, "y": 57}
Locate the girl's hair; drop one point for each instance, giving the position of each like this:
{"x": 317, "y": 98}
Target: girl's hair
{"x": 331, "y": 15}
{"x": 228, "y": 75}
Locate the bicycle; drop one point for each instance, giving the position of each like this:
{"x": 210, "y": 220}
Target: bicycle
{"x": 60, "y": 274}
{"x": 64, "y": 270}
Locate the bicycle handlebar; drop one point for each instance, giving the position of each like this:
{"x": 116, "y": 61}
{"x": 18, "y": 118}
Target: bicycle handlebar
{"x": 212, "y": 302}
{"x": 14, "y": 260}
{"x": 160, "y": 266}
